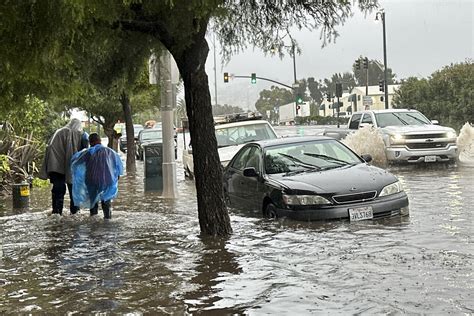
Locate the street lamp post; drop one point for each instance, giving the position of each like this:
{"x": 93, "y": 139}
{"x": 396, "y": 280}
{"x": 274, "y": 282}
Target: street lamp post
{"x": 381, "y": 14}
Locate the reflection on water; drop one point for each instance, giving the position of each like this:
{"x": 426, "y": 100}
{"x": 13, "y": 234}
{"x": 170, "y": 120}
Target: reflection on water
{"x": 149, "y": 259}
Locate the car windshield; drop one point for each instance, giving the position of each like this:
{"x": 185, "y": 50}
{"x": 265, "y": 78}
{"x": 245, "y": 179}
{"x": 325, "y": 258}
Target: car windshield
{"x": 401, "y": 118}
{"x": 243, "y": 134}
{"x": 308, "y": 156}
{"x": 151, "y": 135}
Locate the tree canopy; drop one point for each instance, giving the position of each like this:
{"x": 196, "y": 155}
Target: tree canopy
{"x": 376, "y": 73}
{"x": 447, "y": 95}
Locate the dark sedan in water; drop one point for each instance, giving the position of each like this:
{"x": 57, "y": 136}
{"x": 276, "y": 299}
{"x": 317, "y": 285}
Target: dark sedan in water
{"x": 311, "y": 178}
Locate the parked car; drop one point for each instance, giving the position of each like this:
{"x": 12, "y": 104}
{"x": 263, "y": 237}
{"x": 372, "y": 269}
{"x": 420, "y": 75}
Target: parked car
{"x": 311, "y": 178}
{"x": 230, "y": 138}
{"x": 123, "y": 139}
{"x": 408, "y": 135}
{"x": 149, "y": 136}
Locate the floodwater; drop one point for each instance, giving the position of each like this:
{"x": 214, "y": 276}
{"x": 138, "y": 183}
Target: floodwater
{"x": 149, "y": 259}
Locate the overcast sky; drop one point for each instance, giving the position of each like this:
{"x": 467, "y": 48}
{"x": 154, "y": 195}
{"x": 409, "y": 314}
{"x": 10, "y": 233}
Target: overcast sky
{"x": 422, "y": 36}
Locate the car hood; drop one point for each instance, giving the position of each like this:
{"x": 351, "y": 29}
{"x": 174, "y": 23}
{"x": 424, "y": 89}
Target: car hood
{"x": 228, "y": 152}
{"x": 424, "y": 129}
{"x": 344, "y": 180}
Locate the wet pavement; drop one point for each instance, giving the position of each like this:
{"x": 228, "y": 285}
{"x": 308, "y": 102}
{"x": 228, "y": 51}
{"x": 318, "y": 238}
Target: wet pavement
{"x": 149, "y": 259}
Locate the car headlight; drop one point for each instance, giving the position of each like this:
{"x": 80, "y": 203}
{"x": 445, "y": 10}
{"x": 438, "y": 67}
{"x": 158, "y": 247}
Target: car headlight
{"x": 397, "y": 138}
{"x": 305, "y": 200}
{"x": 390, "y": 189}
{"x": 451, "y": 134}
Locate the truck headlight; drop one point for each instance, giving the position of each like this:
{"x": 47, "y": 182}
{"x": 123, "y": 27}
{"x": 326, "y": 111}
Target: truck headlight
{"x": 305, "y": 200}
{"x": 451, "y": 134}
{"x": 390, "y": 189}
{"x": 396, "y": 138}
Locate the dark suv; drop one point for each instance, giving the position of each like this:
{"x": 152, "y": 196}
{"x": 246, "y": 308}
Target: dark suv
{"x": 151, "y": 135}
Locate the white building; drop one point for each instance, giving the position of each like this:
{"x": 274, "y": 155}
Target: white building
{"x": 353, "y": 101}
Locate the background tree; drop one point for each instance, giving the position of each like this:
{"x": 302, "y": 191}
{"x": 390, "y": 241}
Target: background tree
{"x": 275, "y": 97}
{"x": 447, "y": 95}
{"x": 316, "y": 90}
{"x": 218, "y": 109}
{"x": 376, "y": 73}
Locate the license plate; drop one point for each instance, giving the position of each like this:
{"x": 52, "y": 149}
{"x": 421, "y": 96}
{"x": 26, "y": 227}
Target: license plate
{"x": 430, "y": 158}
{"x": 360, "y": 213}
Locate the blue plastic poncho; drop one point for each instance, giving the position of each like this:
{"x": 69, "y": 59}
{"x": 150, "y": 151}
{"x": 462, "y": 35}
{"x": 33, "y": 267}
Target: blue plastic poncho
{"x": 95, "y": 172}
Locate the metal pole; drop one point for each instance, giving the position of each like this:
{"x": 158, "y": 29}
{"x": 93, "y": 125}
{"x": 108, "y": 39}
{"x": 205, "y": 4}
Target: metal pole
{"x": 169, "y": 164}
{"x": 215, "y": 70}
{"x": 294, "y": 75}
{"x": 367, "y": 81}
{"x": 385, "y": 61}
{"x": 294, "y": 63}
{"x": 338, "y": 112}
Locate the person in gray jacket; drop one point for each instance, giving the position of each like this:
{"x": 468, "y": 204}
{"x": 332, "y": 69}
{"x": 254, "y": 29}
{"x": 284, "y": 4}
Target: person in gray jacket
{"x": 65, "y": 142}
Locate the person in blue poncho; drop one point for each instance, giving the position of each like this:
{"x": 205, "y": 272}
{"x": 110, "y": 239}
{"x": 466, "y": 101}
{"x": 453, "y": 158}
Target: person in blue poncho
{"x": 95, "y": 174}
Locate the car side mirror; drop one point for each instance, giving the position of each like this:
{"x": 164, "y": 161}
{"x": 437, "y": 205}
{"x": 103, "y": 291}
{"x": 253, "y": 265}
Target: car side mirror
{"x": 434, "y": 122}
{"x": 366, "y": 157}
{"x": 250, "y": 172}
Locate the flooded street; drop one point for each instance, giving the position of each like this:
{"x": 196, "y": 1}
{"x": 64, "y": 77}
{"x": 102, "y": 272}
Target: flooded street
{"x": 149, "y": 259}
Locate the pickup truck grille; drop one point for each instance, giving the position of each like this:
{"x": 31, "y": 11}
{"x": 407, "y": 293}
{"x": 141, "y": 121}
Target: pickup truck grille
{"x": 431, "y": 145}
{"x": 356, "y": 197}
{"x": 424, "y": 136}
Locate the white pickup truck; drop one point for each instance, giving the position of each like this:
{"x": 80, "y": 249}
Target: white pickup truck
{"x": 408, "y": 135}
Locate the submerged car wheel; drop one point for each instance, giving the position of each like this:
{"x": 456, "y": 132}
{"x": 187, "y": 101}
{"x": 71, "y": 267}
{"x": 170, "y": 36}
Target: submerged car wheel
{"x": 270, "y": 211}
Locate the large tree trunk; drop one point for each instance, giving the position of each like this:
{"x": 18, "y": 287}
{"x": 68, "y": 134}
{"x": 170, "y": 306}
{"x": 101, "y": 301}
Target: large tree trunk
{"x": 213, "y": 216}
{"x": 112, "y": 135}
{"x": 127, "y": 113}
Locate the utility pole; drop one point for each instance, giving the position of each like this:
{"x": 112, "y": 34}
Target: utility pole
{"x": 382, "y": 17}
{"x": 294, "y": 74}
{"x": 169, "y": 164}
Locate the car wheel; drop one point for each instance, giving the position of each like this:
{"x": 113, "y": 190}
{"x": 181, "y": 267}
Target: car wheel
{"x": 270, "y": 211}
{"x": 227, "y": 199}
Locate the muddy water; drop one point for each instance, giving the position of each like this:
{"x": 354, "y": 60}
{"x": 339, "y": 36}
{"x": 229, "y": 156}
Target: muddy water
{"x": 149, "y": 258}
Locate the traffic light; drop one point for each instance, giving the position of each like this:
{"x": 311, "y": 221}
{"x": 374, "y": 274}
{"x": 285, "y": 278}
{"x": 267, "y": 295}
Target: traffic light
{"x": 382, "y": 85}
{"x": 358, "y": 64}
{"x": 339, "y": 90}
{"x": 253, "y": 79}
{"x": 366, "y": 63}
{"x": 226, "y": 77}
{"x": 299, "y": 99}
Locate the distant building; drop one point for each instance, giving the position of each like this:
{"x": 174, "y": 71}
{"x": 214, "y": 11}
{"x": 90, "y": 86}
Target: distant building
{"x": 353, "y": 101}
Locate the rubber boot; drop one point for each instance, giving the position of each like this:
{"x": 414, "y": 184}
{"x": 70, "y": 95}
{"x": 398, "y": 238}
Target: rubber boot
{"x": 107, "y": 210}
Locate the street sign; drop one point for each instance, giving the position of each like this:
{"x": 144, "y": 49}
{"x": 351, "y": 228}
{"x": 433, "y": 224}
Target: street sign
{"x": 367, "y": 100}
